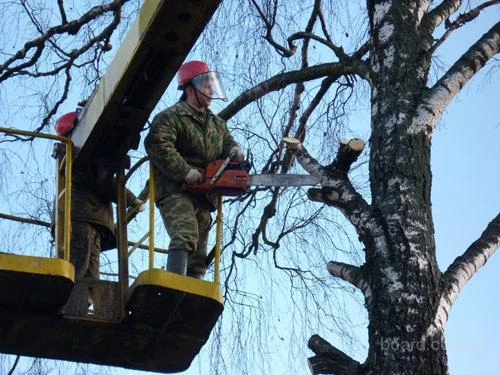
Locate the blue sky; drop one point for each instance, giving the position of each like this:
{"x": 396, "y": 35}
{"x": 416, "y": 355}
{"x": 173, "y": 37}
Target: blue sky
{"x": 466, "y": 197}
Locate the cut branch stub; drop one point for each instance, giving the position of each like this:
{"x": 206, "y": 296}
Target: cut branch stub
{"x": 330, "y": 360}
{"x": 347, "y": 154}
{"x": 291, "y": 143}
{"x": 315, "y": 195}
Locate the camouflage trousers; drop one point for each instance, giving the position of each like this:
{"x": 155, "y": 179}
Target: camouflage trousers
{"x": 187, "y": 221}
{"x": 85, "y": 249}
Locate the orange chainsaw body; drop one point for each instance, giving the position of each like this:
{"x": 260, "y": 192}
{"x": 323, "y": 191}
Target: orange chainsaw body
{"x": 234, "y": 179}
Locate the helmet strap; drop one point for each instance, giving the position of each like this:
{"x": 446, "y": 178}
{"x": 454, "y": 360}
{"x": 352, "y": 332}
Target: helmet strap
{"x": 196, "y": 92}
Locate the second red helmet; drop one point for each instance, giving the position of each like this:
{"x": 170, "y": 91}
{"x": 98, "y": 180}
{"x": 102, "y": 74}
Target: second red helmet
{"x": 66, "y": 123}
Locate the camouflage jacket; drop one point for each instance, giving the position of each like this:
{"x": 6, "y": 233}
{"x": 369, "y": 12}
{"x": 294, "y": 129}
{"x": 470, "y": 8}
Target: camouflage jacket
{"x": 180, "y": 138}
{"x": 91, "y": 202}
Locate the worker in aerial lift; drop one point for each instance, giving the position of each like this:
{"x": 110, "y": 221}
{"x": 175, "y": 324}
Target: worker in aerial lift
{"x": 183, "y": 139}
{"x": 92, "y": 225}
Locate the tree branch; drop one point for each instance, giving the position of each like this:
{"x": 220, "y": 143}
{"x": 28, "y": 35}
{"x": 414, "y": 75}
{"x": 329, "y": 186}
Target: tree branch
{"x": 25, "y": 220}
{"x": 300, "y": 133}
{"x": 353, "y": 275}
{"x": 62, "y": 11}
{"x": 55, "y": 107}
{"x": 339, "y": 52}
{"x": 363, "y": 50}
{"x": 14, "y": 365}
{"x": 336, "y": 189}
{"x": 37, "y": 45}
{"x": 269, "y": 24}
{"x": 478, "y": 253}
{"x": 440, "y": 95}
{"x": 330, "y": 360}
{"x": 307, "y": 162}
{"x": 280, "y": 81}
{"x": 347, "y": 154}
{"x": 440, "y": 13}
{"x": 464, "y": 267}
{"x": 461, "y": 20}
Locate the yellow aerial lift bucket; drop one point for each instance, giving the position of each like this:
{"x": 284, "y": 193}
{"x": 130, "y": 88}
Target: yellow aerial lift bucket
{"x": 31, "y": 283}
{"x": 183, "y": 310}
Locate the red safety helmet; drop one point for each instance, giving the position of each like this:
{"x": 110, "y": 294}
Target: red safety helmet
{"x": 65, "y": 123}
{"x": 189, "y": 70}
{"x": 204, "y": 80}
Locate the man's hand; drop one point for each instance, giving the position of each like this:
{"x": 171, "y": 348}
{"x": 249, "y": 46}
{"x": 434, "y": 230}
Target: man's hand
{"x": 139, "y": 205}
{"x": 236, "y": 154}
{"x": 193, "y": 177}
{"x": 134, "y": 208}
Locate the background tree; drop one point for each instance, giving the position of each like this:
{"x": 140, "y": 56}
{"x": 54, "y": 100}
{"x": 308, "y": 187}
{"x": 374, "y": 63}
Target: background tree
{"x": 306, "y": 70}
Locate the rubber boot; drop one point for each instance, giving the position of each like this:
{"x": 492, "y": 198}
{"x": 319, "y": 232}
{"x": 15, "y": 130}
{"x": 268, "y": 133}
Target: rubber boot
{"x": 196, "y": 270}
{"x": 195, "y": 275}
{"x": 177, "y": 261}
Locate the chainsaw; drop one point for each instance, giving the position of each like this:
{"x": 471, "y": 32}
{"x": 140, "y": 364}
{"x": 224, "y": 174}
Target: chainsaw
{"x": 232, "y": 179}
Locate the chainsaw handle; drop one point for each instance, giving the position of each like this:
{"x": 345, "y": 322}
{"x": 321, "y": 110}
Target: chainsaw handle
{"x": 217, "y": 174}
{"x": 223, "y": 177}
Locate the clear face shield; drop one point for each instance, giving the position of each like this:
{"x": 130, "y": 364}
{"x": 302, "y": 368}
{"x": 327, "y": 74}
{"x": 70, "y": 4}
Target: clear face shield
{"x": 210, "y": 85}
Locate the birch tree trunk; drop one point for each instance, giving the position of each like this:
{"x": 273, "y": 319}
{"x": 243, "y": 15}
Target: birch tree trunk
{"x": 400, "y": 258}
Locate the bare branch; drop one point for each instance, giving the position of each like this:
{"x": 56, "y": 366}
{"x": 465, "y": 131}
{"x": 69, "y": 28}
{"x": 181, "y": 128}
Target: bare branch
{"x": 58, "y": 103}
{"x": 330, "y": 360}
{"x": 14, "y": 365}
{"x": 353, "y": 275}
{"x": 363, "y": 50}
{"x": 300, "y": 133}
{"x": 25, "y": 220}
{"x": 269, "y": 24}
{"x": 440, "y": 95}
{"x": 441, "y": 13}
{"x": 302, "y": 35}
{"x": 336, "y": 189}
{"x": 306, "y": 35}
{"x": 478, "y": 253}
{"x": 299, "y": 89}
{"x": 347, "y": 154}
{"x": 17, "y": 64}
{"x": 466, "y": 266}
{"x": 461, "y": 20}
{"x": 280, "y": 81}
{"x": 307, "y": 162}
{"x": 308, "y": 30}
{"x": 324, "y": 28}
{"x": 268, "y": 212}
{"x": 60, "y": 4}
